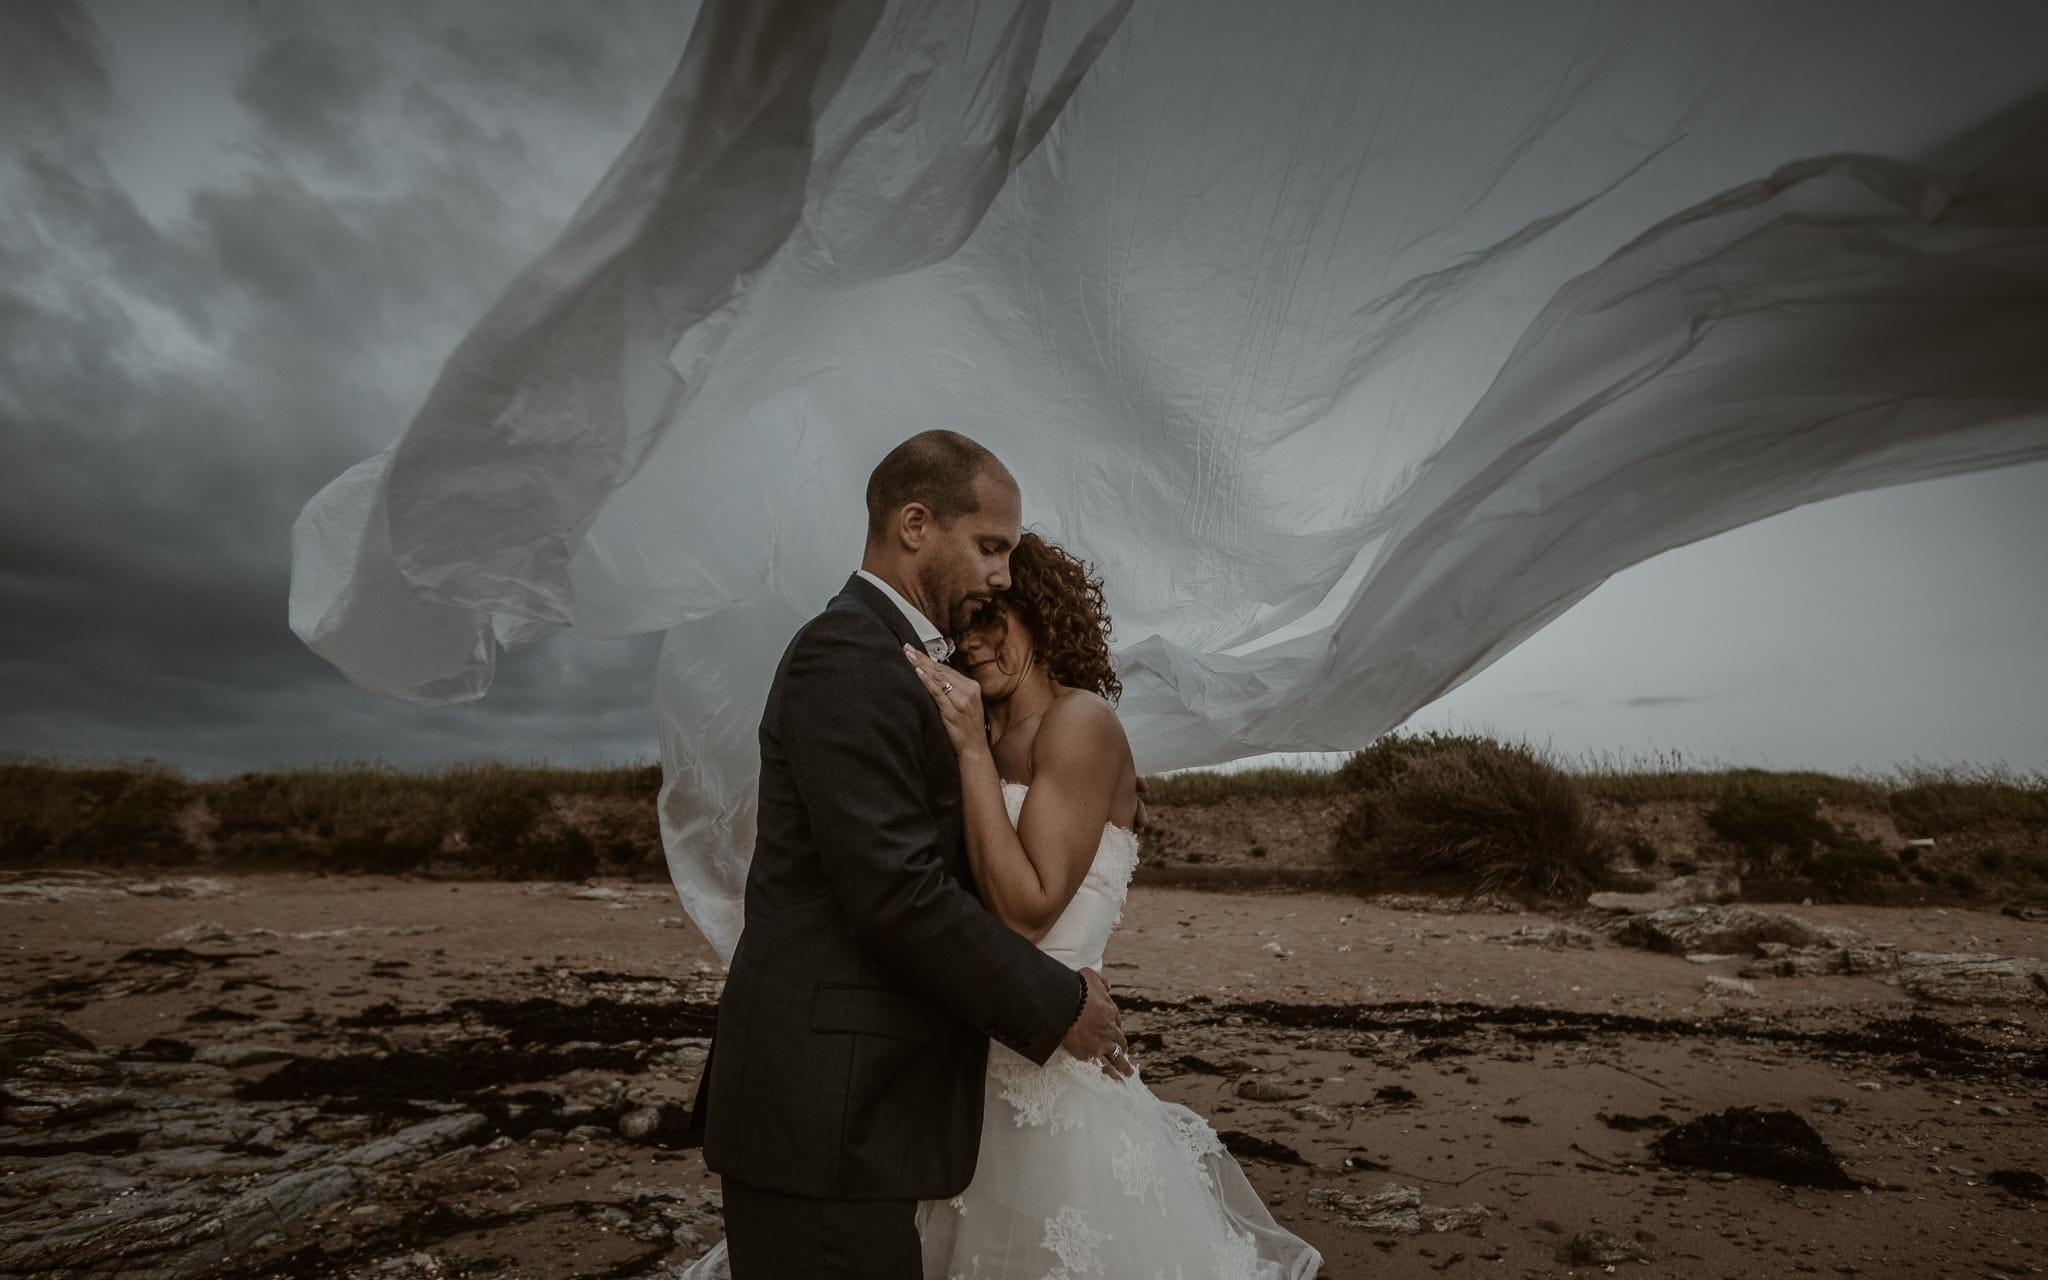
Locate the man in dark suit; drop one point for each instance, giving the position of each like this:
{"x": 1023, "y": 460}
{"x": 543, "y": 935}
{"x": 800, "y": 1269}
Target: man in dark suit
{"x": 845, "y": 1081}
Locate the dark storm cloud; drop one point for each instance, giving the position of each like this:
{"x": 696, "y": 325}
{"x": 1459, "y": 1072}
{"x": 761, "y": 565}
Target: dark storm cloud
{"x": 309, "y": 93}
{"x": 173, "y": 390}
{"x": 53, "y": 71}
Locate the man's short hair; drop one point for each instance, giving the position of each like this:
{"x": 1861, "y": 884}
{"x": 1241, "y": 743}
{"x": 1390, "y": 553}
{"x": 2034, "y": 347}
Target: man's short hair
{"x": 936, "y": 468}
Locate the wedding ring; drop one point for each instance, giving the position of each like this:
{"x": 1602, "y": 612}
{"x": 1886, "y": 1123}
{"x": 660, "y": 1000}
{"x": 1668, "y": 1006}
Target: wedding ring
{"x": 946, "y": 687}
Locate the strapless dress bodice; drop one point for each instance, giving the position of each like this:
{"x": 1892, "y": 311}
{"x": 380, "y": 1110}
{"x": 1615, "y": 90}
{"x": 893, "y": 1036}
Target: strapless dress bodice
{"x": 1078, "y": 937}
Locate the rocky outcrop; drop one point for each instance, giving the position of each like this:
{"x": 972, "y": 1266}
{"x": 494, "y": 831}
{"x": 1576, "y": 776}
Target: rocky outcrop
{"x": 1779, "y": 945}
{"x": 1702, "y": 888}
{"x": 51, "y": 1073}
{"x": 1726, "y": 930}
{"x": 1395, "y": 1210}
{"x": 1783, "y": 960}
{"x": 1940, "y": 977}
{"x": 45, "y": 884}
{"x": 1971, "y": 979}
{"x": 156, "y": 1170}
{"x": 1551, "y": 937}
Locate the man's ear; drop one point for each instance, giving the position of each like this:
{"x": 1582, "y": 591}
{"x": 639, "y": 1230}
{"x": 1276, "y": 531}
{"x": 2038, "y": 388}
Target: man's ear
{"x": 913, "y": 523}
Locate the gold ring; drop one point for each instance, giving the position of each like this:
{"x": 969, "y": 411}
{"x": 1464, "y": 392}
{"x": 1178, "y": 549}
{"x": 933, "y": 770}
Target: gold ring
{"x": 946, "y": 688}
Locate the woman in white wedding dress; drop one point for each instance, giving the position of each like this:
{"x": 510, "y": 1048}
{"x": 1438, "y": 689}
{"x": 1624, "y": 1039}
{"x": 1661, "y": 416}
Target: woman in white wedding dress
{"x": 1081, "y": 1173}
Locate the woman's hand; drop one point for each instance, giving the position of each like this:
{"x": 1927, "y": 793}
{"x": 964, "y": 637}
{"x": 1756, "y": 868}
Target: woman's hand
{"x": 959, "y": 700}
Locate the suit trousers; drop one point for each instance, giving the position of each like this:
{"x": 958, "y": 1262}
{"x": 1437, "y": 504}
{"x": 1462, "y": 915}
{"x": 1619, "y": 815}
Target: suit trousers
{"x": 770, "y": 1235}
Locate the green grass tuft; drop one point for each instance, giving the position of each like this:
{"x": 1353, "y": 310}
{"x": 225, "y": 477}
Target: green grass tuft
{"x": 1198, "y": 788}
{"x": 1936, "y": 799}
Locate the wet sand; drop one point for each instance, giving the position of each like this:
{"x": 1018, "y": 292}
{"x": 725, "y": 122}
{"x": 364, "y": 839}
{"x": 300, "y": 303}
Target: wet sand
{"x": 496, "y": 1038}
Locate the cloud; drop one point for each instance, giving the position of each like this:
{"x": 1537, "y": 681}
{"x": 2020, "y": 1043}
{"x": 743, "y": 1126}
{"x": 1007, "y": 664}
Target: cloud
{"x": 1657, "y": 700}
{"x": 53, "y": 69}
{"x": 172, "y": 390}
{"x": 309, "y": 93}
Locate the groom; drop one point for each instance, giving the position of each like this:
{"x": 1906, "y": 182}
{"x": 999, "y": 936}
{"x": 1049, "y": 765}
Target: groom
{"x": 846, "y": 1074}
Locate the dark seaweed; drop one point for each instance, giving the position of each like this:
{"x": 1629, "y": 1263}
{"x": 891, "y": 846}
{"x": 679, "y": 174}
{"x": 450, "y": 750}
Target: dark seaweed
{"x": 1778, "y": 1145}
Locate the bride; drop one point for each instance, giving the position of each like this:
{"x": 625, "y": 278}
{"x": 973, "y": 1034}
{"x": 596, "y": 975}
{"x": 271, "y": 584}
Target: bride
{"x": 1081, "y": 1172}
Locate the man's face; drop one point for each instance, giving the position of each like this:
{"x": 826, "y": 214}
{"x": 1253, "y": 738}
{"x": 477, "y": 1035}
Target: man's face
{"x": 962, "y": 565}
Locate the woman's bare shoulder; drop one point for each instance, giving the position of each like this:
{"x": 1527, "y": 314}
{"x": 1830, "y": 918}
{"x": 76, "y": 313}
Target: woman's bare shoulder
{"x": 1081, "y": 708}
{"x": 1079, "y": 720}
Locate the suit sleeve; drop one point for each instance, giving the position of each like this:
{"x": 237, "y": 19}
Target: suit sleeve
{"x": 852, "y": 732}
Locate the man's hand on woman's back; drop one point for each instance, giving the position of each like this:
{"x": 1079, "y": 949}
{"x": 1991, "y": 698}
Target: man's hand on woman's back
{"x": 1098, "y": 1033}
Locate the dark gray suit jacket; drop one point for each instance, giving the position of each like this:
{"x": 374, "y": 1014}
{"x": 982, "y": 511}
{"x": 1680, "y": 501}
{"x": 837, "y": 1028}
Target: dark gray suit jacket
{"x": 852, "y": 1037}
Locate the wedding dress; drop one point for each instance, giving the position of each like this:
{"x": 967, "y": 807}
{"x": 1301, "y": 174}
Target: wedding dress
{"x": 1082, "y": 1174}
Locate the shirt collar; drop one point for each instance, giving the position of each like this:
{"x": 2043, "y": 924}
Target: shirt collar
{"x": 928, "y": 635}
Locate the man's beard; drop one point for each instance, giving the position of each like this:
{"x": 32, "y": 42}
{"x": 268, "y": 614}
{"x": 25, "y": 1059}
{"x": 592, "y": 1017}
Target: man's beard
{"x": 954, "y": 611}
{"x": 962, "y": 613}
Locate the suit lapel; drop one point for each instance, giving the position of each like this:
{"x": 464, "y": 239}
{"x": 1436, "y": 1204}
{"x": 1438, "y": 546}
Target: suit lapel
{"x": 869, "y": 595}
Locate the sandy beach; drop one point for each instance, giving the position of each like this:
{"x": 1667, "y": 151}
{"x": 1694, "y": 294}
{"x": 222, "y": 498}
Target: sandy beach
{"x": 306, "y": 1076}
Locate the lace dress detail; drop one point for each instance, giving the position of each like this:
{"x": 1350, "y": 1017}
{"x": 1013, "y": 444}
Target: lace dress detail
{"x": 1078, "y": 1248}
{"x": 1198, "y": 1143}
{"x": 1034, "y": 1093}
{"x": 1137, "y": 1168}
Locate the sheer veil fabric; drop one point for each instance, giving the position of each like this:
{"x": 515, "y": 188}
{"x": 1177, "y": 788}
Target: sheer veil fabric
{"x": 1352, "y": 347}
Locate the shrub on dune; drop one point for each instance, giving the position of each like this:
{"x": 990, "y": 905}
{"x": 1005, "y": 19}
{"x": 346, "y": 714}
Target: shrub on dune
{"x": 1780, "y": 831}
{"x": 1767, "y": 821}
{"x": 352, "y": 818}
{"x": 510, "y": 818}
{"x": 1491, "y": 815}
{"x": 1855, "y": 870}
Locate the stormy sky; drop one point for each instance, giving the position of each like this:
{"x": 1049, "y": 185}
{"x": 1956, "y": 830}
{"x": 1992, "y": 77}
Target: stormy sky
{"x": 237, "y": 240}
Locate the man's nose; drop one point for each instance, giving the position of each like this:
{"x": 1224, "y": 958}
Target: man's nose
{"x": 1000, "y": 579}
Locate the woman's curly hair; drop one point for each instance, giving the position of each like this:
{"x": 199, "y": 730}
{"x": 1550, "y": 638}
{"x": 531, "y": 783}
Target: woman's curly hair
{"x": 1061, "y": 602}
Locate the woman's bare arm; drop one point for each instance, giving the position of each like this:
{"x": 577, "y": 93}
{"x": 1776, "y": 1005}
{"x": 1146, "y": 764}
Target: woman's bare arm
{"x": 1029, "y": 873}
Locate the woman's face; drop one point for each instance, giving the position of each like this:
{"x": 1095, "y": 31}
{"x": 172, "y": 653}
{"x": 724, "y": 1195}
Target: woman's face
{"x": 995, "y": 651}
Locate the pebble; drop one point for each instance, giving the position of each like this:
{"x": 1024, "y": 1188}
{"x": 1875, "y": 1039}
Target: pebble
{"x": 637, "y": 1124}
{"x": 242, "y": 1055}
{"x": 1595, "y": 1248}
{"x": 1716, "y": 985}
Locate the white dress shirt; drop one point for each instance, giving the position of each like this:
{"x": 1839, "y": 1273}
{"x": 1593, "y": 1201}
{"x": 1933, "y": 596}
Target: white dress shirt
{"x": 935, "y": 644}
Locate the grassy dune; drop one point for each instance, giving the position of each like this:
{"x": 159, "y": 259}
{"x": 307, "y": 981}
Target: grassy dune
{"x": 514, "y": 821}
{"x": 1460, "y": 809}
{"x": 1486, "y": 815}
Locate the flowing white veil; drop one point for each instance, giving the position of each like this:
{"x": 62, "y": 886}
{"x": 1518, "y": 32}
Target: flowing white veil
{"x": 1353, "y": 341}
